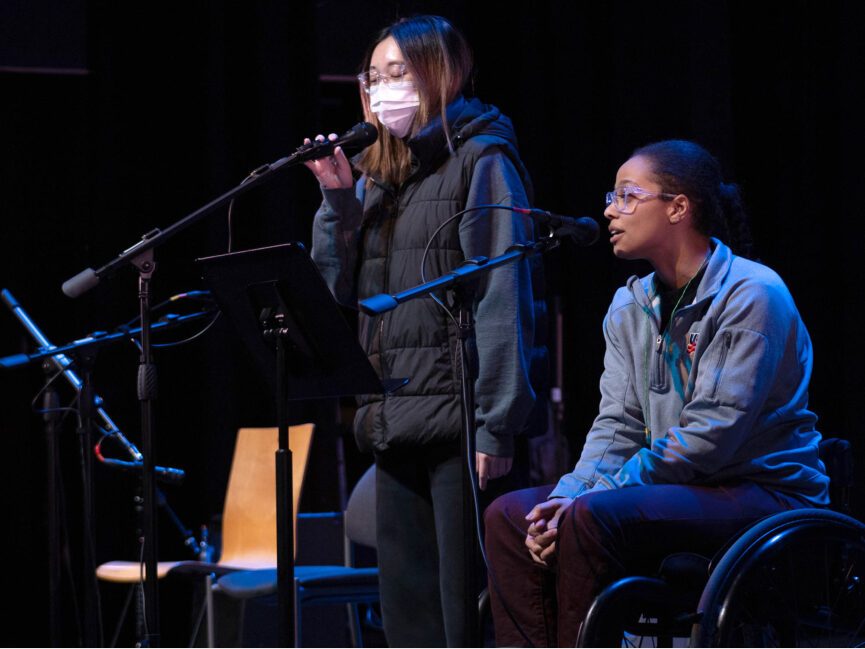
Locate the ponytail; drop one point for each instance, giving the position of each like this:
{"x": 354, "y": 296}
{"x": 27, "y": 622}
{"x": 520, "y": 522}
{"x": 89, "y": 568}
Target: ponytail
{"x": 735, "y": 220}
{"x": 683, "y": 167}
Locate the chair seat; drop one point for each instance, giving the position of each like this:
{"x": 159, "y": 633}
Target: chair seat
{"x": 255, "y": 583}
{"x": 129, "y": 572}
{"x": 218, "y": 569}
{"x": 335, "y": 576}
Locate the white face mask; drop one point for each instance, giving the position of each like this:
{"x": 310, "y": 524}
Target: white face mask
{"x": 394, "y": 107}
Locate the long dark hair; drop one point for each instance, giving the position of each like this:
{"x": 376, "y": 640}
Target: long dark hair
{"x": 441, "y": 63}
{"x": 683, "y": 167}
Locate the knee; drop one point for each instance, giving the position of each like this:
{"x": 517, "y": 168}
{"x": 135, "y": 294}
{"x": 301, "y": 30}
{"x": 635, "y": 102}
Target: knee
{"x": 505, "y": 518}
{"x": 587, "y": 517}
{"x": 501, "y": 515}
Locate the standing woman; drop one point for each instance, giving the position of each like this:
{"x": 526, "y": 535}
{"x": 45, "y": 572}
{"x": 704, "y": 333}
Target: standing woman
{"x": 437, "y": 153}
{"x": 703, "y": 425}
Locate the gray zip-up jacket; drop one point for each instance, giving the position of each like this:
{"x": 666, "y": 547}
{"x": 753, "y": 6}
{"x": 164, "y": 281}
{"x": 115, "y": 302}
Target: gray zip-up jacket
{"x": 724, "y": 390}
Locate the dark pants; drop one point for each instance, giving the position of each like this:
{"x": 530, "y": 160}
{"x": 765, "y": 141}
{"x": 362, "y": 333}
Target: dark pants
{"x": 604, "y": 536}
{"x": 421, "y": 542}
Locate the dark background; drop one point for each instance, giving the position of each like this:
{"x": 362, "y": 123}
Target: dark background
{"x": 116, "y": 119}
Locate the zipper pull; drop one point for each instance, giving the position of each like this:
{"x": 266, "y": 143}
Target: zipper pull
{"x": 659, "y": 341}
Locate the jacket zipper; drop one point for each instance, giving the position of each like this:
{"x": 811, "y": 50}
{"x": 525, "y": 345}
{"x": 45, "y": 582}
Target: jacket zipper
{"x": 386, "y": 287}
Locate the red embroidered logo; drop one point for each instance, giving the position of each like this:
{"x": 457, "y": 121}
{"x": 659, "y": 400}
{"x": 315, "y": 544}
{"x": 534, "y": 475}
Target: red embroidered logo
{"x": 692, "y": 342}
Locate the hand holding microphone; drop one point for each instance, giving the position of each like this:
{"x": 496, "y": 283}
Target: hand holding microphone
{"x": 326, "y": 159}
{"x": 333, "y": 171}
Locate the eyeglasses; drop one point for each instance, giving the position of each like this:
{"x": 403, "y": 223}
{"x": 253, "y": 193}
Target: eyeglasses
{"x": 395, "y": 77}
{"x": 626, "y": 198}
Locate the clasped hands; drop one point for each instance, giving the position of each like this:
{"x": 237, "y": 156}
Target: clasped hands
{"x": 543, "y": 529}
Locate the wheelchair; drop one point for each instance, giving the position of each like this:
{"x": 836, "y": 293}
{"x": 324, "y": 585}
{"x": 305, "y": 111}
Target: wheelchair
{"x": 792, "y": 579}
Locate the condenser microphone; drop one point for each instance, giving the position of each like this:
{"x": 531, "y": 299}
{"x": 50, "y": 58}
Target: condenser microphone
{"x": 582, "y": 230}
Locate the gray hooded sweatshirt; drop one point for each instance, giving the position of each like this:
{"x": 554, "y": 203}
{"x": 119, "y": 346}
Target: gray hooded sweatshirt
{"x": 723, "y": 391}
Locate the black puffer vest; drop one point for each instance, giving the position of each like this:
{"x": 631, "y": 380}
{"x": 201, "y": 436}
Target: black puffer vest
{"x": 418, "y": 340}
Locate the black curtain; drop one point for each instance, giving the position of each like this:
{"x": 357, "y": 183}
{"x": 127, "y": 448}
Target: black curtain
{"x": 181, "y": 102}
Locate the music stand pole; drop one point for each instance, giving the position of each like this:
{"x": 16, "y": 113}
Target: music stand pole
{"x": 284, "y": 509}
{"x": 278, "y": 302}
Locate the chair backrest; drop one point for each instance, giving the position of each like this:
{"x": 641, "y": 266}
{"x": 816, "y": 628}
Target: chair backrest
{"x": 249, "y": 514}
{"x": 837, "y": 457}
{"x": 359, "y": 518}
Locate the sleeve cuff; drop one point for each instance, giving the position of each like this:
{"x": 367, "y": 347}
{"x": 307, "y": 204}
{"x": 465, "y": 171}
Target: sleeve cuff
{"x": 339, "y": 201}
{"x": 569, "y": 486}
{"x": 500, "y": 445}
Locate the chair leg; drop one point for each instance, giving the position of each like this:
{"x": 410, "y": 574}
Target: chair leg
{"x": 197, "y": 626}
{"x": 353, "y": 611}
{"x": 208, "y": 599}
{"x": 297, "y": 615}
{"x": 123, "y": 613}
{"x": 140, "y": 621}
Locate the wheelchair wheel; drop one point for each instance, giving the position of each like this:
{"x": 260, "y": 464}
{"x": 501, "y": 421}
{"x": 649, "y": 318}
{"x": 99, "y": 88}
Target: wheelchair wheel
{"x": 794, "y": 579}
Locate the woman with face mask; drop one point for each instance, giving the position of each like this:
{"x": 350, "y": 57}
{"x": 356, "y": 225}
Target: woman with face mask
{"x": 437, "y": 153}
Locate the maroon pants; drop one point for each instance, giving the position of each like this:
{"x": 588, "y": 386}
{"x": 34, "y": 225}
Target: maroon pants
{"x": 604, "y": 536}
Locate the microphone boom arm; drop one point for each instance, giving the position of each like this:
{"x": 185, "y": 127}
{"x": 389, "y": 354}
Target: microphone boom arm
{"x": 361, "y": 134}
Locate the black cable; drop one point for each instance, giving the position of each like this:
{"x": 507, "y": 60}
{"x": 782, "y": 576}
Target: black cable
{"x": 192, "y": 337}
{"x": 468, "y": 458}
{"x": 177, "y": 343}
{"x": 251, "y": 175}
{"x": 47, "y": 384}
{"x": 143, "y": 600}
{"x": 474, "y": 208}
{"x": 490, "y": 572}
{"x": 193, "y": 295}
{"x": 67, "y": 559}
{"x": 89, "y": 546}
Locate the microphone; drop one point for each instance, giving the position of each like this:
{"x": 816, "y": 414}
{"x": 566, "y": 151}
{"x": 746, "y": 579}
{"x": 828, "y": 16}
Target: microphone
{"x": 163, "y": 473}
{"x": 358, "y": 137}
{"x": 583, "y": 231}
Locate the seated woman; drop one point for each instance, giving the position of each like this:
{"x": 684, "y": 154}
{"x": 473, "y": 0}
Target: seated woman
{"x": 703, "y": 425}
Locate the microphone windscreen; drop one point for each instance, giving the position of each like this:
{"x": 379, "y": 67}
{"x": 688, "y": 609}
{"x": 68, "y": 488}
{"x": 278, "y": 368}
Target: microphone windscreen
{"x": 584, "y": 232}
{"x": 358, "y": 137}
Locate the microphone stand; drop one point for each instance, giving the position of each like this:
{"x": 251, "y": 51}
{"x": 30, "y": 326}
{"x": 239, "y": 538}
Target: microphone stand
{"x": 147, "y": 392}
{"x": 141, "y": 256}
{"x": 88, "y": 278}
{"x": 455, "y": 280}
{"x": 85, "y": 352}
{"x": 62, "y": 364}
{"x": 51, "y": 418}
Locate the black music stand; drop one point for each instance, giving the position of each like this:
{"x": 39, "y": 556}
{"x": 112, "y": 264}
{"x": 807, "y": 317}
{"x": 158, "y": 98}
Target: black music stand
{"x": 287, "y": 318}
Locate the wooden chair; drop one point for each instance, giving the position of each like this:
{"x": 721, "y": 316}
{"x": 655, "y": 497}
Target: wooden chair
{"x": 325, "y": 584}
{"x": 248, "y": 519}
